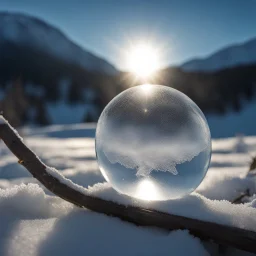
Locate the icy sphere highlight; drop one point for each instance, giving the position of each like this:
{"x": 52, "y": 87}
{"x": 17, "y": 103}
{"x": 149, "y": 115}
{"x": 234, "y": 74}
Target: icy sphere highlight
{"x": 153, "y": 143}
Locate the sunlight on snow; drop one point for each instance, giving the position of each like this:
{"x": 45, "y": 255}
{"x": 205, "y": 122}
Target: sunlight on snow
{"x": 147, "y": 190}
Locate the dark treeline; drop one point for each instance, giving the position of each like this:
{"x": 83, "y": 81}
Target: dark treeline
{"x": 218, "y": 92}
{"x": 23, "y": 68}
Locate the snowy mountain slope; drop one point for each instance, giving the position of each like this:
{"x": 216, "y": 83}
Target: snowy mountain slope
{"x": 234, "y": 55}
{"x": 33, "y": 222}
{"x": 33, "y": 32}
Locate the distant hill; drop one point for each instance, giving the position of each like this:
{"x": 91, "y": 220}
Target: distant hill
{"x": 45, "y": 78}
{"x": 230, "y": 56}
{"x": 35, "y": 60}
{"x": 23, "y": 30}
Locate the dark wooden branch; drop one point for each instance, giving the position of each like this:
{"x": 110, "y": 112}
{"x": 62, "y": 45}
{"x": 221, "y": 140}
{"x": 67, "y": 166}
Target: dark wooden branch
{"x": 221, "y": 234}
{"x": 252, "y": 164}
{"x": 240, "y": 198}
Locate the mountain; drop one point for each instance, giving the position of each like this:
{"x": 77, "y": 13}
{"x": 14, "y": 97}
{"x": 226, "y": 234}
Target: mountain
{"x": 231, "y": 56}
{"x": 30, "y": 31}
{"x": 45, "y": 78}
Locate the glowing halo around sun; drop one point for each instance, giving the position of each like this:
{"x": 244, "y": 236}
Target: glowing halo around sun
{"x": 143, "y": 60}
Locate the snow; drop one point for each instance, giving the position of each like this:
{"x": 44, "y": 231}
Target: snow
{"x": 48, "y": 226}
{"x": 34, "y": 222}
{"x": 234, "y": 55}
{"x": 233, "y": 123}
{"x": 60, "y": 112}
{"x": 194, "y": 206}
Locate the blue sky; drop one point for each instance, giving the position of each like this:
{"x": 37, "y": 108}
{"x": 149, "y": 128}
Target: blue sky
{"x": 183, "y": 29}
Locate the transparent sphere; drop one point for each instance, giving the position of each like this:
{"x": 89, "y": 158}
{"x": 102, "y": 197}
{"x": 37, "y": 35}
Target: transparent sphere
{"x": 153, "y": 143}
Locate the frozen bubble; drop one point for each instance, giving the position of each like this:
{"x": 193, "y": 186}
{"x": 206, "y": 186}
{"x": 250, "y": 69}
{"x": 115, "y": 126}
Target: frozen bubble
{"x": 153, "y": 143}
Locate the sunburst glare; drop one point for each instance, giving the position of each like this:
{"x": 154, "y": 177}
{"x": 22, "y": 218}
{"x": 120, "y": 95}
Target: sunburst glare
{"x": 143, "y": 60}
{"x": 147, "y": 89}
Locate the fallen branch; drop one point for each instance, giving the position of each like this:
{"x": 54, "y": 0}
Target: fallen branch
{"x": 240, "y": 198}
{"x": 252, "y": 166}
{"x": 221, "y": 234}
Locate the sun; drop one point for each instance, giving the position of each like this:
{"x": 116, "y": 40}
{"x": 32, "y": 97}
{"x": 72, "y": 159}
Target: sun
{"x": 143, "y": 60}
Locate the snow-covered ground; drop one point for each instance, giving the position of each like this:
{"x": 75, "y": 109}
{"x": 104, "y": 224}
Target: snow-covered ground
{"x": 34, "y": 222}
{"x": 233, "y": 123}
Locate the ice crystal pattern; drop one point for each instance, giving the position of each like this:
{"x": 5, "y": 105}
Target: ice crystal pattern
{"x": 153, "y": 142}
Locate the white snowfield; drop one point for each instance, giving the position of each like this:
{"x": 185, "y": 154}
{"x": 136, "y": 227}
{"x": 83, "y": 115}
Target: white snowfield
{"x": 35, "y": 222}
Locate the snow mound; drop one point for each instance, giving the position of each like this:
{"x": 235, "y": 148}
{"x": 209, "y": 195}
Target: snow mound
{"x": 30, "y": 201}
{"x": 34, "y": 222}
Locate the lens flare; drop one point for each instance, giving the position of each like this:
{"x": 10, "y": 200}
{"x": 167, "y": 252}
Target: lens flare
{"x": 143, "y": 60}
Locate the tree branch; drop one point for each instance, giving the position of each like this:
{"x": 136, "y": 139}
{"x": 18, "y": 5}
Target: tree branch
{"x": 221, "y": 234}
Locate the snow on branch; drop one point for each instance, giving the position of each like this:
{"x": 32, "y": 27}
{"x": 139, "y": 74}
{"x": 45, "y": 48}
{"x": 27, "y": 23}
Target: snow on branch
{"x": 66, "y": 189}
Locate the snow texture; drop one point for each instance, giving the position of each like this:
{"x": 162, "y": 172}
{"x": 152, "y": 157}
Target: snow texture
{"x": 35, "y": 222}
{"x": 45, "y": 225}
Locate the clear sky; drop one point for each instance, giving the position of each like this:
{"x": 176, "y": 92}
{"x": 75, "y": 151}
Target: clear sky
{"x": 184, "y": 29}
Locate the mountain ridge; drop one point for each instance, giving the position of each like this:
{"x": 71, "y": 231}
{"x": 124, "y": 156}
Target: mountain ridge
{"x": 29, "y": 30}
{"x": 36, "y": 57}
{"x": 227, "y": 57}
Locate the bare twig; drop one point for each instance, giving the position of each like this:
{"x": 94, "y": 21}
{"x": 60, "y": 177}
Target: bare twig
{"x": 240, "y": 198}
{"x": 221, "y": 234}
{"x": 252, "y": 164}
